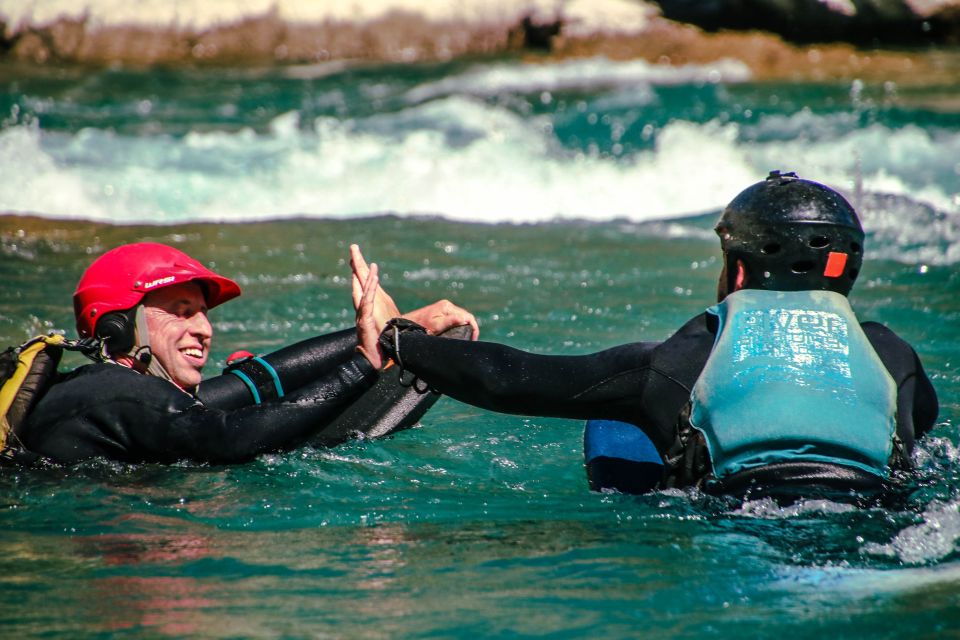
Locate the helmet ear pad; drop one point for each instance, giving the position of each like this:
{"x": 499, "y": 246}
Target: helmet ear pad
{"x": 118, "y": 331}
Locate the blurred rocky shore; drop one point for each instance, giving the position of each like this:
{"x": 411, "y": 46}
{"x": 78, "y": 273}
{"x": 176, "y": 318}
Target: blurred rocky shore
{"x": 899, "y": 40}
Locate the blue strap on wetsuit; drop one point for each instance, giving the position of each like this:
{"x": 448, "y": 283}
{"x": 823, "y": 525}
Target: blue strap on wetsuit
{"x": 259, "y": 377}
{"x": 793, "y": 378}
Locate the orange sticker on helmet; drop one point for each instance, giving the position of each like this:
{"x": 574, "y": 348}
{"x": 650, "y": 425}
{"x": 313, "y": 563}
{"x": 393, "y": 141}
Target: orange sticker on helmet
{"x": 835, "y": 264}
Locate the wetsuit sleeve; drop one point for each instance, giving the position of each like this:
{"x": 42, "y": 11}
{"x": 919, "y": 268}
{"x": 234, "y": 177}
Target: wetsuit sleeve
{"x": 208, "y": 434}
{"x": 917, "y": 404}
{"x": 500, "y": 378}
{"x": 926, "y": 407}
{"x": 295, "y": 366}
{"x": 112, "y": 412}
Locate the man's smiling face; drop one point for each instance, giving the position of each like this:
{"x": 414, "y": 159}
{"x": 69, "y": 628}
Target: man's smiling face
{"x": 180, "y": 332}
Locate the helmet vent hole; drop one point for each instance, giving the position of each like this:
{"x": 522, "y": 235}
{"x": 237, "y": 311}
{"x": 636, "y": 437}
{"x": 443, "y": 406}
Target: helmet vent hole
{"x": 802, "y": 266}
{"x": 771, "y": 248}
{"x": 855, "y": 247}
{"x": 819, "y": 242}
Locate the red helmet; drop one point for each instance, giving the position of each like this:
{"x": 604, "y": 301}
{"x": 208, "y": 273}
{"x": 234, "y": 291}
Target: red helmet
{"x": 119, "y": 279}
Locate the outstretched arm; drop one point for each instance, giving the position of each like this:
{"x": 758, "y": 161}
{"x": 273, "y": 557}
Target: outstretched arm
{"x": 500, "y": 378}
{"x": 492, "y": 376}
{"x": 295, "y": 366}
{"x": 206, "y": 434}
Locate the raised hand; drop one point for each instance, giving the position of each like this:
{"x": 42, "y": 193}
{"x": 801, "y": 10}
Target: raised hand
{"x": 443, "y": 315}
{"x": 435, "y": 318}
{"x": 368, "y": 331}
{"x": 384, "y": 307}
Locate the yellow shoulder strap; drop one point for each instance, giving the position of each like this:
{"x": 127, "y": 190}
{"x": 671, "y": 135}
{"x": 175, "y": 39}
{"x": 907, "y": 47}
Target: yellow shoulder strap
{"x": 28, "y": 353}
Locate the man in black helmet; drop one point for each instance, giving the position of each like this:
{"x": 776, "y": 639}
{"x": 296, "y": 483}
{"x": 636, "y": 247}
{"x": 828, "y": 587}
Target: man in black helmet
{"x": 777, "y": 389}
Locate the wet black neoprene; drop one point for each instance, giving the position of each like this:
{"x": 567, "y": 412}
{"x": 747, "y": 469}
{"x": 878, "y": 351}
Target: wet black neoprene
{"x": 646, "y": 383}
{"x": 110, "y": 411}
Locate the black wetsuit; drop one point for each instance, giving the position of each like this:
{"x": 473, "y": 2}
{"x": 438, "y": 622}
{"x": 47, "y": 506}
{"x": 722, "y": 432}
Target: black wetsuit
{"x": 647, "y": 384}
{"x": 110, "y": 411}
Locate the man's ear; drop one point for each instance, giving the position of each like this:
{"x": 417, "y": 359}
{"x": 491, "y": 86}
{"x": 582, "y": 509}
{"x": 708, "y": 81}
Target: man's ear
{"x": 741, "y": 279}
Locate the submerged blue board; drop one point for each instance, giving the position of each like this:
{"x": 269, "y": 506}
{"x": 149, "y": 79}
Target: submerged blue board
{"x": 618, "y": 456}
{"x": 390, "y": 405}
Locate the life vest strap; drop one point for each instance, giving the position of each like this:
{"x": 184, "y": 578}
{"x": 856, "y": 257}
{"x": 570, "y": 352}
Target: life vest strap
{"x": 26, "y": 372}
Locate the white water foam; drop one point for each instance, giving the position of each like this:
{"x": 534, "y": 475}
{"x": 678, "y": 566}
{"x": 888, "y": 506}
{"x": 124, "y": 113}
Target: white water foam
{"x": 936, "y": 537}
{"x": 826, "y": 586}
{"x": 473, "y": 163}
{"x": 582, "y": 74}
{"x": 909, "y": 161}
{"x": 37, "y": 183}
{"x": 768, "y": 509}
{"x": 935, "y": 533}
{"x": 465, "y": 159}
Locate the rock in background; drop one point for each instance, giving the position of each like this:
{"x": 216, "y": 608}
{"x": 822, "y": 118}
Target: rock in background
{"x": 871, "y": 23}
{"x": 269, "y": 31}
{"x": 765, "y": 34}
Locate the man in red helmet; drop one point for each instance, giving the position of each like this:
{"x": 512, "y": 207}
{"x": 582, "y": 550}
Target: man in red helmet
{"x": 146, "y": 304}
{"x": 778, "y": 389}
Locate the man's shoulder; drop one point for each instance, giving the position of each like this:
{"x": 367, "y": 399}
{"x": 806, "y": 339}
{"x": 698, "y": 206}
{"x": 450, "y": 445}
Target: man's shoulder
{"x": 699, "y": 328}
{"x": 686, "y": 351}
{"x": 897, "y": 355}
{"x": 100, "y": 374}
{"x": 106, "y": 382}
{"x": 884, "y": 338}
{"x": 98, "y": 369}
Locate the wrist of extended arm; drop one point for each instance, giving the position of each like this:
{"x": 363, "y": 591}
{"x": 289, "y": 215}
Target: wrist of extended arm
{"x": 391, "y": 337}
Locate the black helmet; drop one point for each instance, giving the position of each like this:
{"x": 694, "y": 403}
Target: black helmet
{"x": 792, "y": 235}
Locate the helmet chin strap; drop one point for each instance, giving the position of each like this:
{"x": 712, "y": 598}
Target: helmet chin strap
{"x": 141, "y": 347}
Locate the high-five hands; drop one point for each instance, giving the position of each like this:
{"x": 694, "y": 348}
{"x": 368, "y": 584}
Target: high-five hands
{"x": 364, "y": 302}
{"x": 375, "y": 307}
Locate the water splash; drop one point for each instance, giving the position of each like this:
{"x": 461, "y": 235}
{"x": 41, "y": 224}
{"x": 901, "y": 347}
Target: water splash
{"x": 936, "y": 537}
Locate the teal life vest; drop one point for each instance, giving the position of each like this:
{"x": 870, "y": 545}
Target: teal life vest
{"x": 793, "y": 378}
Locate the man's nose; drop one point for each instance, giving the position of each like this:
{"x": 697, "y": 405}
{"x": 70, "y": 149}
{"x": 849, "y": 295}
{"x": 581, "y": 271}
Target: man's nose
{"x": 200, "y": 325}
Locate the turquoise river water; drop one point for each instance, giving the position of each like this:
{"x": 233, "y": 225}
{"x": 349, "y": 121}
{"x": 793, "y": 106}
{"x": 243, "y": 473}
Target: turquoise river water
{"x": 570, "y": 206}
